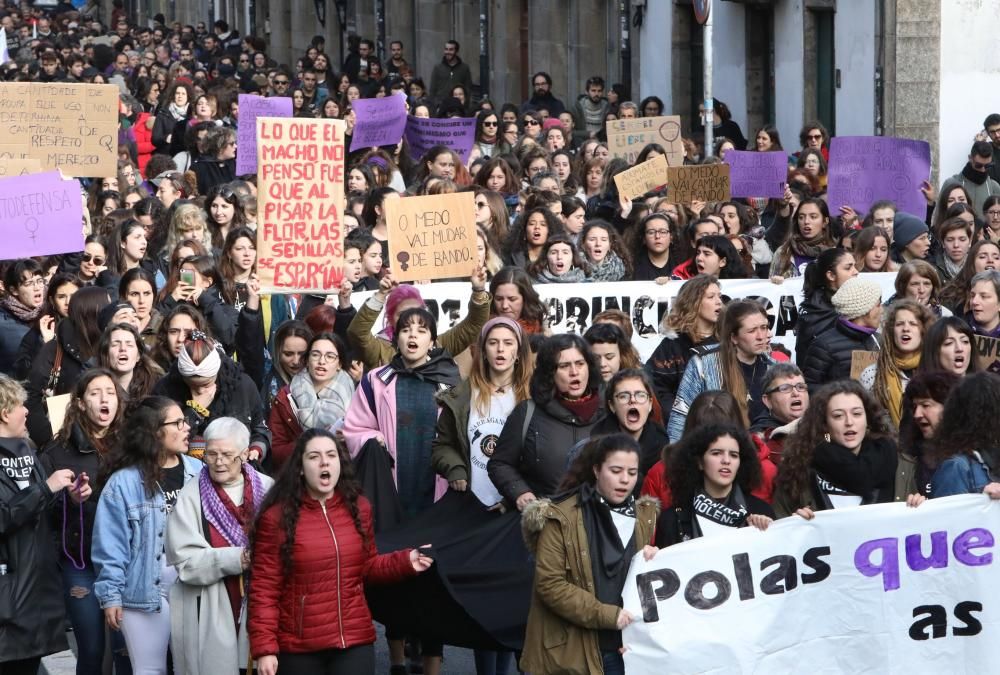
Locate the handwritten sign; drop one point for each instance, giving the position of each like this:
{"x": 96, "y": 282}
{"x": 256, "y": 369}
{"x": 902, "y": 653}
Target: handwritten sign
{"x": 757, "y": 174}
{"x": 380, "y": 121}
{"x": 988, "y": 354}
{"x": 72, "y": 127}
{"x": 40, "y": 214}
{"x": 19, "y": 167}
{"x": 704, "y": 182}
{"x": 627, "y": 138}
{"x": 642, "y": 178}
{"x": 866, "y": 169}
{"x": 861, "y": 359}
{"x": 456, "y": 133}
{"x": 300, "y": 238}
{"x": 432, "y": 237}
{"x": 252, "y": 107}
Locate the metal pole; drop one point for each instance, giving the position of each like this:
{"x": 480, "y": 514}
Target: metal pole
{"x": 484, "y": 48}
{"x": 708, "y": 119}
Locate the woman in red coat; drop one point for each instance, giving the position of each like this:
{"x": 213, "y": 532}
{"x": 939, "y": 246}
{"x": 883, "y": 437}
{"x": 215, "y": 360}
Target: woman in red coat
{"x": 313, "y": 551}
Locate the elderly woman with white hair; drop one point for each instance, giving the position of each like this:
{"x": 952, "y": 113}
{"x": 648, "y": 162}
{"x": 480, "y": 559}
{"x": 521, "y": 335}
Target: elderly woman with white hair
{"x": 207, "y": 537}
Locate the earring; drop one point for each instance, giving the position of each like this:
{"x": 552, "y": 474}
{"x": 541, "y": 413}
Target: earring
{"x": 826, "y": 437}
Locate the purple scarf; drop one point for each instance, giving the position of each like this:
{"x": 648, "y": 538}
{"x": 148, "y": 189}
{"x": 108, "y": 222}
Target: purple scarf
{"x": 216, "y": 512}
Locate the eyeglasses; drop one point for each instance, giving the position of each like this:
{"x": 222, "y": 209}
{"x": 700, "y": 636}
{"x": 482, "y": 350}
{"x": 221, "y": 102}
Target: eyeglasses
{"x": 993, "y": 213}
{"x": 241, "y": 60}
{"x": 658, "y": 233}
{"x": 179, "y": 423}
{"x": 541, "y": 84}
{"x": 322, "y": 357}
{"x": 786, "y": 388}
{"x": 489, "y": 124}
{"x": 281, "y": 83}
{"x": 212, "y": 457}
{"x": 814, "y": 137}
{"x": 98, "y": 260}
{"x": 637, "y": 396}
{"x": 531, "y": 123}
{"x": 981, "y": 167}
{"x": 33, "y": 282}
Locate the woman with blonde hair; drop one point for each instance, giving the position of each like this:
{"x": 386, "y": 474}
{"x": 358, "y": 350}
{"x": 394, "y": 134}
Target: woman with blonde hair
{"x": 188, "y": 222}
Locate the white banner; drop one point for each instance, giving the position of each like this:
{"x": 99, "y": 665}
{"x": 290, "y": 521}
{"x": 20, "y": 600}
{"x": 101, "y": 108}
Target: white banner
{"x": 571, "y": 307}
{"x": 871, "y": 589}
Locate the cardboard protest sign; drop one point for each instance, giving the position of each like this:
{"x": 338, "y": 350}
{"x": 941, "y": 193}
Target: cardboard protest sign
{"x": 865, "y": 169}
{"x": 987, "y": 354}
{"x": 72, "y": 127}
{"x": 861, "y": 359}
{"x": 252, "y": 107}
{"x": 379, "y": 121}
{"x": 570, "y": 308}
{"x": 19, "y": 167}
{"x": 56, "y": 406}
{"x": 627, "y": 138}
{"x": 757, "y": 174}
{"x": 40, "y": 214}
{"x": 642, "y": 178}
{"x": 456, "y": 133}
{"x": 886, "y": 589}
{"x": 300, "y": 238}
{"x": 702, "y": 182}
{"x": 432, "y": 237}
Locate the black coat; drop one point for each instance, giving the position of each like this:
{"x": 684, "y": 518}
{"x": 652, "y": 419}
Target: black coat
{"x": 828, "y": 357}
{"x": 666, "y": 365}
{"x": 73, "y": 366}
{"x": 652, "y": 440}
{"x": 211, "y": 172}
{"x": 816, "y": 315}
{"x": 235, "y": 396}
{"x": 537, "y": 463}
{"x": 77, "y": 453}
{"x": 165, "y": 125}
{"x": 32, "y": 613}
{"x": 676, "y": 524}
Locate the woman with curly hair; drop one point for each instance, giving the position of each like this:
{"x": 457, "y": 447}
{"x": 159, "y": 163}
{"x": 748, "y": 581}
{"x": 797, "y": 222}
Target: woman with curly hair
{"x": 900, "y": 348}
{"x": 583, "y": 543}
{"x": 965, "y": 445}
{"x": 691, "y": 328}
{"x": 841, "y": 455}
{"x": 712, "y": 472}
{"x": 810, "y": 236}
{"x": 314, "y": 524}
{"x": 528, "y": 236}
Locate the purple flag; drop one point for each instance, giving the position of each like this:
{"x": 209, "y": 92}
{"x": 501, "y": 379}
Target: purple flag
{"x": 865, "y": 169}
{"x": 379, "y": 121}
{"x": 252, "y": 107}
{"x": 42, "y": 214}
{"x": 456, "y": 133}
{"x": 757, "y": 174}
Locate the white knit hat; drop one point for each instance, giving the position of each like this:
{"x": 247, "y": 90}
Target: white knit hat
{"x": 857, "y": 297}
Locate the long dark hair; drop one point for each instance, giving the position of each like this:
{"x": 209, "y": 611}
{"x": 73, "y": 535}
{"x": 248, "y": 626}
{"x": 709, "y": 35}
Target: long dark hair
{"x": 289, "y": 487}
{"x": 140, "y": 441}
{"x": 146, "y": 373}
{"x": 593, "y": 455}
{"x": 685, "y": 476}
{"x": 84, "y": 307}
{"x": 930, "y": 360}
{"x": 968, "y": 422}
{"x": 76, "y": 417}
{"x": 796, "y": 465}
{"x": 532, "y": 309}
{"x": 815, "y": 279}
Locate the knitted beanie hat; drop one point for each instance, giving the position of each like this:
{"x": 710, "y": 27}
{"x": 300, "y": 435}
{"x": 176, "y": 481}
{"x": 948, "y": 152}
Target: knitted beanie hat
{"x": 857, "y": 297}
{"x": 906, "y": 228}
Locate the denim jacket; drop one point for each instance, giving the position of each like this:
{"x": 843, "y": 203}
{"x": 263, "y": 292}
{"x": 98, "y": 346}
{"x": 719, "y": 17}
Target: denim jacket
{"x": 960, "y": 475}
{"x": 128, "y": 540}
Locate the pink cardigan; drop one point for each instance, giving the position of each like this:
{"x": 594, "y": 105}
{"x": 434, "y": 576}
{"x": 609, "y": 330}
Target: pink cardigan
{"x": 363, "y": 424}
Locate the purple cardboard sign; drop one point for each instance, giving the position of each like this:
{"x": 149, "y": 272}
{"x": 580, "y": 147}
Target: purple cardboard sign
{"x": 42, "y": 214}
{"x": 457, "y": 133}
{"x": 865, "y": 169}
{"x": 252, "y": 107}
{"x": 378, "y": 121}
{"x": 757, "y": 174}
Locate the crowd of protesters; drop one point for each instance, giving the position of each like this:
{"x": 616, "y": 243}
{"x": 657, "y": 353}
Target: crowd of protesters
{"x": 201, "y": 505}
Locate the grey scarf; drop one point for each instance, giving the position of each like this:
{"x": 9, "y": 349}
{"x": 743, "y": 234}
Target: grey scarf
{"x": 610, "y": 269}
{"x": 320, "y": 410}
{"x": 574, "y": 276}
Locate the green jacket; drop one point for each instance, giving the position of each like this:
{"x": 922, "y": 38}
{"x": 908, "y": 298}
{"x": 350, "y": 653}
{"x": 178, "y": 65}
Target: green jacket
{"x": 565, "y": 614}
{"x": 375, "y": 351}
{"x": 450, "y": 448}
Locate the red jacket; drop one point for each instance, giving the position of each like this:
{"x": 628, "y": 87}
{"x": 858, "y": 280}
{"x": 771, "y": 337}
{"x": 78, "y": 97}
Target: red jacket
{"x": 656, "y": 484}
{"x": 285, "y": 429}
{"x": 143, "y": 141}
{"x": 321, "y": 605}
